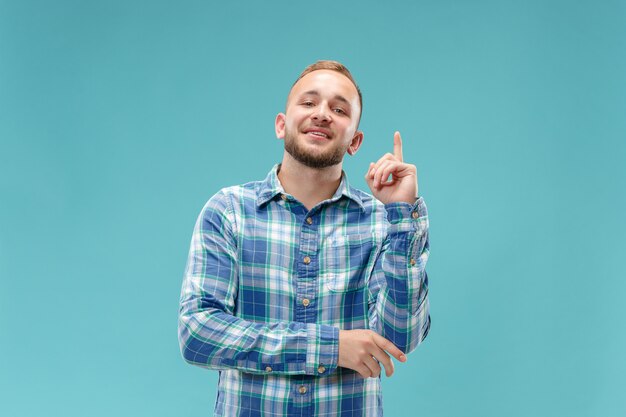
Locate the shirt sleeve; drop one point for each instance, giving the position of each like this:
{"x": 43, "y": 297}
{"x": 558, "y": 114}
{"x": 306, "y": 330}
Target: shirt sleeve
{"x": 212, "y": 336}
{"x": 398, "y": 286}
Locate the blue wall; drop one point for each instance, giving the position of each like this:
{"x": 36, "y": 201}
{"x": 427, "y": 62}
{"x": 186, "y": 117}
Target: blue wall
{"x": 119, "y": 119}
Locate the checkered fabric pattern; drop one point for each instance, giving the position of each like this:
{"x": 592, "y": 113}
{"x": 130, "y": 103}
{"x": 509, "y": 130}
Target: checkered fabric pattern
{"x": 269, "y": 284}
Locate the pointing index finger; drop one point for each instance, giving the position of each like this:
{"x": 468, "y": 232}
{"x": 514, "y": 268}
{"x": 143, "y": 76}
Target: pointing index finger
{"x": 397, "y": 146}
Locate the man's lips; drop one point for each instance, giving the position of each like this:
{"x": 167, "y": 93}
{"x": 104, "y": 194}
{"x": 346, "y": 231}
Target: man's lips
{"x": 318, "y": 133}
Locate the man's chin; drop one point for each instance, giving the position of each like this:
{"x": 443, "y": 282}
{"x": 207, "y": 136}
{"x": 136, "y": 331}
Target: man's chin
{"x": 317, "y": 161}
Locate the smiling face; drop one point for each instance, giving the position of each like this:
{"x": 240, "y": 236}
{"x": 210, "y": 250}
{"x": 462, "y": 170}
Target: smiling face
{"x": 320, "y": 122}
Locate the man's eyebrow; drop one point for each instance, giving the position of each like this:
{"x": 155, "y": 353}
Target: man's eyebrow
{"x": 316, "y": 93}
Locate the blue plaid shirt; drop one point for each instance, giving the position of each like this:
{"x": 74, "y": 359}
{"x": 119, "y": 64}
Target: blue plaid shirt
{"x": 269, "y": 284}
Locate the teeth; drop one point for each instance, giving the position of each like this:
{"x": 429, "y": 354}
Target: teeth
{"x": 319, "y": 134}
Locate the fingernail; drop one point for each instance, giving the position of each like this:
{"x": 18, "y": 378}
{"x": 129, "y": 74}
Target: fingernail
{"x": 402, "y": 358}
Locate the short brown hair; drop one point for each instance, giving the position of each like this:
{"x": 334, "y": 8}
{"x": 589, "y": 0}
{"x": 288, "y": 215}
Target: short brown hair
{"x": 333, "y": 66}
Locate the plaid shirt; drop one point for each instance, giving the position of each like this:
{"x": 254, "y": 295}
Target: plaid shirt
{"x": 269, "y": 284}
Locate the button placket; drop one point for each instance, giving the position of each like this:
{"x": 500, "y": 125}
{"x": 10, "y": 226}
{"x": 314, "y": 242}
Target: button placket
{"x": 307, "y": 268}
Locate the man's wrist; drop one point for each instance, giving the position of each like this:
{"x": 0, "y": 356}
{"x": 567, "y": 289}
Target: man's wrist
{"x": 404, "y": 216}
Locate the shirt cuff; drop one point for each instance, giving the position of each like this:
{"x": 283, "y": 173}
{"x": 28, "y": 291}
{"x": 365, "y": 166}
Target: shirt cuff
{"x": 405, "y": 217}
{"x": 322, "y": 350}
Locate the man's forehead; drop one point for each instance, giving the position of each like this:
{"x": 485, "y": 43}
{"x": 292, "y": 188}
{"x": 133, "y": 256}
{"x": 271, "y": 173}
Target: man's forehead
{"x": 321, "y": 81}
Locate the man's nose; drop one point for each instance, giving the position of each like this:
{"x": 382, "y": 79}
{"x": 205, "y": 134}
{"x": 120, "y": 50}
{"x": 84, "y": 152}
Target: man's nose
{"x": 321, "y": 113}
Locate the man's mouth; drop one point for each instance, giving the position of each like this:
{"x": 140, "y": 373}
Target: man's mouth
{"x": 318, "y": 132}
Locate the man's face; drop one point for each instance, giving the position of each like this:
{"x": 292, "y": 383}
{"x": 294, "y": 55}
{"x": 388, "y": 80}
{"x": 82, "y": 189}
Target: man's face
{"x": 321, "y": 118}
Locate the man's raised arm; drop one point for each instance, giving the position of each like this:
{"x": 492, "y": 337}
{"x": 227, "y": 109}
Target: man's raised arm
{"x": 399, "y": 310}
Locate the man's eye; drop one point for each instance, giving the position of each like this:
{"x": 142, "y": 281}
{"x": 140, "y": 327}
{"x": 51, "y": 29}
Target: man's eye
{"x": 340, "y": 111}
{"x": 307, "y": 103}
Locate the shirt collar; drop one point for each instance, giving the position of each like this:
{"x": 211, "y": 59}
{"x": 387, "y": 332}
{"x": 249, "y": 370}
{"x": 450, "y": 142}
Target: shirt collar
{"x": 271, "y": 187}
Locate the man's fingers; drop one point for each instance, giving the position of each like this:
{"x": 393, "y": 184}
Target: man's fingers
{"x": 389, "y": 347}
{"x": 386, "y": 361}
{"x": 373, "y": 366}
{"x": 379, "y": 177}
{"x": 387, "y": 160}
{"x": 391, "y": 168}
{"x": 366, "y": 352}
{"x": 397, "y": 146}
{"x": 363, "y": 370}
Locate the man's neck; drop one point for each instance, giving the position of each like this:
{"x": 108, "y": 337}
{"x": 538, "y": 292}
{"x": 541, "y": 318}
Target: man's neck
{"x": 310, "y": 186}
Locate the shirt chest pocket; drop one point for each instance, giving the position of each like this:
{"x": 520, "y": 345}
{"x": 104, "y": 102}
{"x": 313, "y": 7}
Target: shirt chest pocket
{"x": 348, "y": 260}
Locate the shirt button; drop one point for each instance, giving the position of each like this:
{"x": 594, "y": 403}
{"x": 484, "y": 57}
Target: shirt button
{"x": 309, "y": 220}
{"x": 302, "y": 389}
{"x": 413, "y": 262}
{"x": 268, "y": 369}
{"x": 321, "y": 369}
{"x": 415, "y": 215}
{"x": 306, "y": 302}
{"x": 284, "y": 197}
{"x": 307, "y": 260}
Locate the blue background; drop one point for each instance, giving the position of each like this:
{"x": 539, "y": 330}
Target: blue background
{"x": 119, "y": 119}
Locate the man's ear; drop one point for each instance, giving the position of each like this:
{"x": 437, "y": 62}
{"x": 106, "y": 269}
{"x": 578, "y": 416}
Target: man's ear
{"x": 356, "y": 143}
{"x": 279, "y": 125}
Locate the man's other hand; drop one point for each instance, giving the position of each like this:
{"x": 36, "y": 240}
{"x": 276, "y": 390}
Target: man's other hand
{"x": 364, "y": 350}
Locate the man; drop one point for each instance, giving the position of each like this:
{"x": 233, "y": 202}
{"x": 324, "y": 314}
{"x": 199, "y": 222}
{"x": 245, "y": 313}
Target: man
{"x": 299, "y": 286}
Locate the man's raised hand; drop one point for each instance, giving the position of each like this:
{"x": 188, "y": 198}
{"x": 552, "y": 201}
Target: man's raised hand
{"x": 403, "y": 183}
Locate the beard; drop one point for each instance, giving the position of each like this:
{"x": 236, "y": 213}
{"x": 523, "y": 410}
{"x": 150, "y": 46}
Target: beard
{"x": 310, "y": 159}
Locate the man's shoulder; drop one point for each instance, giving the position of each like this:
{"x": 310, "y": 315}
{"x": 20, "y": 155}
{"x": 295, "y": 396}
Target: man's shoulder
{"x": 238, "y": 192}
{"x": 241, "y": 189}
{"x": 227, "y": 204}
